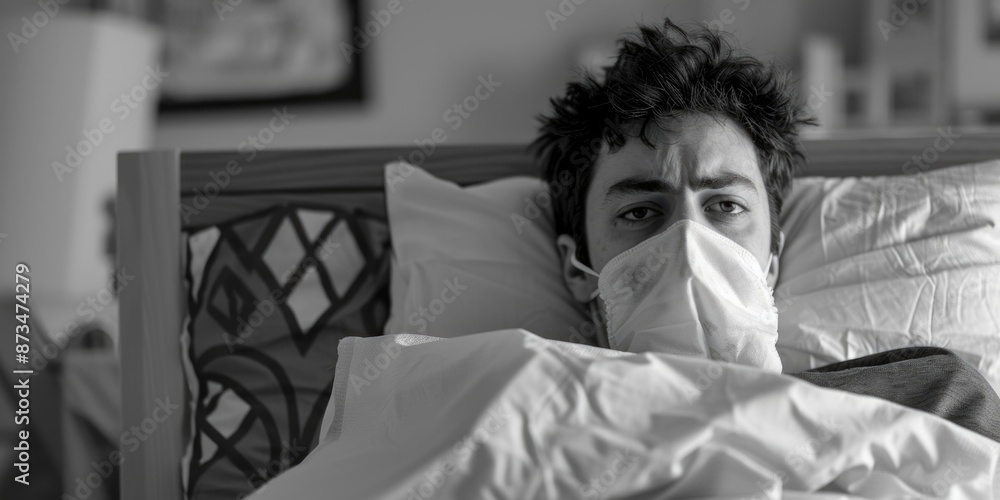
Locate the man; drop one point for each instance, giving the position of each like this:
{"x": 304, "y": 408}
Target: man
{"x": 679, "y": 160}
{"x": 683, "y": 127}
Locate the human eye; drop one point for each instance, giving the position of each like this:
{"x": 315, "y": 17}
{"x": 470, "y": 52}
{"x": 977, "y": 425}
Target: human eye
{"x": 637, "y": 215}
{"x": 727, "y": 208}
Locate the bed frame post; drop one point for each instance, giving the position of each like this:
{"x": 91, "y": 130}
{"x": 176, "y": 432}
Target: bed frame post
{"x": 151, "y": 311}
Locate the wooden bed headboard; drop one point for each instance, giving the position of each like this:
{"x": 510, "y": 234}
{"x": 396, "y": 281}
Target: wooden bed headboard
{"x": 162, "y": 193}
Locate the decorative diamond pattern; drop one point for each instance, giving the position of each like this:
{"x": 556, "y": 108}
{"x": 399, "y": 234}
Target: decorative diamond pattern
{"x": 270, "y": 297}
{"x": 344, "y": 259}
{"x": 229, "y": 412}
{"x": 308, "y": 300}
{"x": 284, "y": 252}
{"x": 313, "y": 222}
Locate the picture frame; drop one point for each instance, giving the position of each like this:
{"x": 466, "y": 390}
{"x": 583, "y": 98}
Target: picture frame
{"x": 239, "y": 53}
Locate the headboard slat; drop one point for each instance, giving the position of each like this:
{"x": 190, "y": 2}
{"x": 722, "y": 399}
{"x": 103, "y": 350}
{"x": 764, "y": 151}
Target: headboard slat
{"x": 215, "y": 185}
{"x": 150, "y": 316}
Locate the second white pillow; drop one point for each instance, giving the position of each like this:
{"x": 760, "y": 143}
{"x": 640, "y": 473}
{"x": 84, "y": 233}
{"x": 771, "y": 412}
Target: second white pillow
{"x": 477, "y": 259}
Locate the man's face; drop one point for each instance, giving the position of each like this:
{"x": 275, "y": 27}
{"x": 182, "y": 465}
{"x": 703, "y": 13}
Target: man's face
{"x": 702, "y": 169}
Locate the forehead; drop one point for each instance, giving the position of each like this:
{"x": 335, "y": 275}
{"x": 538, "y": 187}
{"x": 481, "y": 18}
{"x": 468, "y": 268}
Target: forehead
{"x": 686, "y": 148}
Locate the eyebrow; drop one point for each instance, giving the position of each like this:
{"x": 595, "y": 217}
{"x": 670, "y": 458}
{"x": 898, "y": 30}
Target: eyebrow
{"x": 647, "y": 185}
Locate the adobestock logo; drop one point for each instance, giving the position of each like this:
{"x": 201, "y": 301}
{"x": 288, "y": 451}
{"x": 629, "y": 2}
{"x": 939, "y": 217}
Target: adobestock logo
{"x": 434, "y": 479}
{"x": 952, "y": 473}
{"x": 373, "y": 368}
{"x": 818, "y": 96}
{"x": 38, "y": 20}
{"x": 219, "y": 179}
{"x": 266, "y": 307}
{"x": 586, "y": 334}
{"x": 598, "y": 485}
{"x": 87, "y": 311}
{"x": 899, "y": 15}
{"x": 923, "y": 161}
{"x": 623, "y": 288}
{"x": 532, "y": 209}
{"x": 727, "y": 16}
{"x": 455, "y": 115}
{"x": 288, "y": 456}
{"x": 122, "y": 107}
{"x": 130, "y": 441}
{"x": 707, "y": 375}
{"x": 380, "y": 20}
{"x": 800, "y": 460}
{"x": 566, "y": 8}
{"x": 534, "y": 205}
{"x": 450, "y": 293}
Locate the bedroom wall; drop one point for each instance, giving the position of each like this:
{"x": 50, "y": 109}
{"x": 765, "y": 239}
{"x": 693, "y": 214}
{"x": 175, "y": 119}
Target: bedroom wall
{"x": 775, "y": 28}
{"x": 430, "y": 55}
{"x": 428, "y": 58}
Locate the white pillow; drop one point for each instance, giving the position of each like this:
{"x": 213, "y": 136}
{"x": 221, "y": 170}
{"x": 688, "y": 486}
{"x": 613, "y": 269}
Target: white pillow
{"x": 876, "y": 263}
{"x": 476, "y": 259}
{"x": 870, "y": 263}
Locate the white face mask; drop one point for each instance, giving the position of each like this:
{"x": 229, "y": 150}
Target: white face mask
{"x": 690, "y": 291}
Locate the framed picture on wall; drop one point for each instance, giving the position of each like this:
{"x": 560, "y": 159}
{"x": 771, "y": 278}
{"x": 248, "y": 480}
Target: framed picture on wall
{"x": 223, "y": 53}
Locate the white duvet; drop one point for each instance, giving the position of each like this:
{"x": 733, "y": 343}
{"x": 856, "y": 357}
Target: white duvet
{"x": 507, "y": 414}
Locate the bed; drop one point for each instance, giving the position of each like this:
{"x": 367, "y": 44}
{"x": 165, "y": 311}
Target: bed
{"x": 163, "y": 195}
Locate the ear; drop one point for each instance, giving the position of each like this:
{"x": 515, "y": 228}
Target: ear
{"x": 581, "y": 285}
{"x": 772, "y": 274}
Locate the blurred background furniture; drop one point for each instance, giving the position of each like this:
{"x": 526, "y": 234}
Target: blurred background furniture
{"x": 64, "y": 91}
{"x": 64, "y": 95}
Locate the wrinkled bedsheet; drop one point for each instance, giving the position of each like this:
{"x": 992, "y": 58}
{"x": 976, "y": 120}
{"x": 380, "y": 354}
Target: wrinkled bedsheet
{"x": 508, "y": 414}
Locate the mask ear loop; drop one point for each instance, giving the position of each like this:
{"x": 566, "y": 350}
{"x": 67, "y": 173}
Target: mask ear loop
{"x": 770, "y": 258}
{"x": 579, "y": 265}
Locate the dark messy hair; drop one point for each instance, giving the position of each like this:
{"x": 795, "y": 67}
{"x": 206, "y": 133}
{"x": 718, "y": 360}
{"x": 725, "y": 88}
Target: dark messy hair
{"x": 662, "y": 73}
